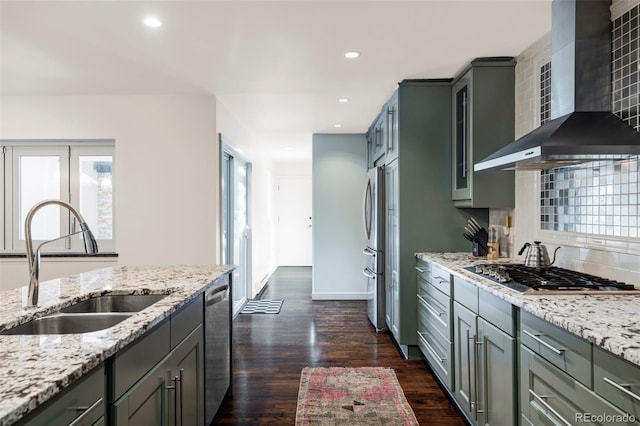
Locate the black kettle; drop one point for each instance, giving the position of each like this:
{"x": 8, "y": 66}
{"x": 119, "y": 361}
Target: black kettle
{"x": 537, "y": 255}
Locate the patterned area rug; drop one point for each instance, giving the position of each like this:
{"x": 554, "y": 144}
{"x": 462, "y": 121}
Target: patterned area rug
{"x": 265, "y": 306}
{"x": 352, "y": 396}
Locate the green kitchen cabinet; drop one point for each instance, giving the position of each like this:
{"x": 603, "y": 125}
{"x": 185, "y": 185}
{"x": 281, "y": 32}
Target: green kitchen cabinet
{"x": 548, "y": 395}
{"x": 434, "y": 321}
{"x": 391, "y": 143}
{"x": 159, "y": 378}
{"x": 171, "y": 393}
{"x": 81, "y": 404}
{"x": 377, "y": 140}
{"x": 392, "y": 251}
{"x": 483, "y": 121}
{"x": 485, "y": 382}
{"x": 420, "y": 214}
{"x": 617, "y": 381}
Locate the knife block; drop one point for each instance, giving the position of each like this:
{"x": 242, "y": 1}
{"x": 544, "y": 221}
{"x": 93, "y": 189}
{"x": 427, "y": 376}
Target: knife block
{"x": 480, "y": 244}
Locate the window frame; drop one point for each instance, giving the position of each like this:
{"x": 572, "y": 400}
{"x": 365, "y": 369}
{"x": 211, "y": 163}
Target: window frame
{"x": 69, "y": 152}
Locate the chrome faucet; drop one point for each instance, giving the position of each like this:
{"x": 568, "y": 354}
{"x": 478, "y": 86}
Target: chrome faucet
{"x": 90, "y": 245}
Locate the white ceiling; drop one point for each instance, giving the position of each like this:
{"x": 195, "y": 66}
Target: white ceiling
{"x": 278, "y": 66}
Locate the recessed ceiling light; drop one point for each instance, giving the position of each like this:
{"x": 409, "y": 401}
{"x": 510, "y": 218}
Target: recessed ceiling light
{"x": 337, "y": 125}
{"x": 352, "y": 55}
{"x": 343, "y": 100}
{"x": 152, "y": 21}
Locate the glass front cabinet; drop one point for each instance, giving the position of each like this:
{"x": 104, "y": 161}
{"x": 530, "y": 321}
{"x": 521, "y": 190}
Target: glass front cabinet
{"x": 483, "y": 121}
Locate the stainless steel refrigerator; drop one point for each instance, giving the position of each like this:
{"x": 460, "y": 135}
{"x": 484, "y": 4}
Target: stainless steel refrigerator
{"x": 373, "y": 215}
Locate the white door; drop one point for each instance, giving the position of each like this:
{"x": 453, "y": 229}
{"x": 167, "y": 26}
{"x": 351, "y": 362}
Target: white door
{"x": 294, "y": 221}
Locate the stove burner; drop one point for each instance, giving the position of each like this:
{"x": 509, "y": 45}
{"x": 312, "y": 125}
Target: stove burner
{"x": 525, "y": 279}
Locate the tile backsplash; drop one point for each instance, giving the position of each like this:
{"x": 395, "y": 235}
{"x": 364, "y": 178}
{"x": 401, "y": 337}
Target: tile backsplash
{"x": 591, "y": 211}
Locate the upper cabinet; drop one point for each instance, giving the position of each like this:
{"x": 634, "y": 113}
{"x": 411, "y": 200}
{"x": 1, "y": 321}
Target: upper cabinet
{"x": 483, "y": 119}
{"x": 391, "y": 147}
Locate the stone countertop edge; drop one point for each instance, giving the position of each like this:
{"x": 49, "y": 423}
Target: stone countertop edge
{"x": 609, "y": 321}
{"x": 37, "y": 368}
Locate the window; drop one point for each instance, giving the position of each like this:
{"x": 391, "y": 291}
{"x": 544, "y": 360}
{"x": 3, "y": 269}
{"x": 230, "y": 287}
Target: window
{"x": 78, "y": 172}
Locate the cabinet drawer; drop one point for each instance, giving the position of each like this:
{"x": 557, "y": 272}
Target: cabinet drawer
{"x": 465, "y": 293}
{"x": 436, "y": 308}
{"x": 139, "y": 357}
{"x": 441, "y": 279}
{"x": 549, "y": 396}
{"x": 617, "y": 381}
{"x": 438, "y": 351}
{"x": 83, "y": 403}
{"x": 184, "y": 321}
{"x": 561, "y": 348}
{"x": 499, "y": 312}
{"x": 423, "y": 270}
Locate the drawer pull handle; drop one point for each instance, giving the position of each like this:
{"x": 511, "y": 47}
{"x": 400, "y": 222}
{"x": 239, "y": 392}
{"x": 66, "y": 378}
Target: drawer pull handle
{"x": 85, "y": 412}
{"x": 441, "y": 280}
{"x": 431, "y": 308}
{"x": 422, "y": 271}
{"x": 622, "y": 388}
{"x": 435, "y": 355}
{"x": 548, "y": 407}
{"x": 536, "y": 337}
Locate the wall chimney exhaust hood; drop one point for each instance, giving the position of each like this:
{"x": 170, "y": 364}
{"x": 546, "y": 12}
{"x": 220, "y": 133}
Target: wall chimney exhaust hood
{"x": 582, "y": 127}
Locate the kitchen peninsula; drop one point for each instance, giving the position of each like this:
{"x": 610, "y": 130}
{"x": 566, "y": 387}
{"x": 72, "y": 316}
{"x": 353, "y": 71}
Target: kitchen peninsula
{"x": 37, "y": 368}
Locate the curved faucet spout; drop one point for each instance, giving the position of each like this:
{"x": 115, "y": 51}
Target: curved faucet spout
{"x": 33, "y": 259}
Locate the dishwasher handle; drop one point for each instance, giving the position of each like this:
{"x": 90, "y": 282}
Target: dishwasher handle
{"x": 217, "y": 294}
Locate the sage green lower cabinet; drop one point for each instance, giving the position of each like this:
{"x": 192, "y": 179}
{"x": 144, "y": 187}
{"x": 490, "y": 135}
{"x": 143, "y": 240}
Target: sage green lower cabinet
{"x": 464, "y": 332}
{"x": 82, "y": 404}
{"x": 496, "y": 401}
{"x": 617, "y": 381}
{"x": 434, "y": 321}
{"x": 171, "y": 393}
{"x": 484, "y": 356}
{"x": 548, "y": 395}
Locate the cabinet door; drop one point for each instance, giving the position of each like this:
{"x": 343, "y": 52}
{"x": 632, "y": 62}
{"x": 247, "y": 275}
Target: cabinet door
{"x": 392, "y": 248}
{"x": 464, "y": 331}
{"x": 146, "y": 402}
{"x": 370, "y": 145}
{"x": 186, "y": 368}
{"x": 496, "y": 373}
{"x": 462, "y": 169}
{"x": 379, "y": 138}
{"x": 392, "y": 129}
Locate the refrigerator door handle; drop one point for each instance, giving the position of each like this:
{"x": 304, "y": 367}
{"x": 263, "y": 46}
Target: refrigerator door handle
{"x": 369, "y": 252}
{"x": 367, "y": 273}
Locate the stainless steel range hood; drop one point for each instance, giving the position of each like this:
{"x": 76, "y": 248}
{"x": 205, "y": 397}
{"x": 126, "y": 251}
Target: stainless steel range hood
{"x": 581, "y": 128}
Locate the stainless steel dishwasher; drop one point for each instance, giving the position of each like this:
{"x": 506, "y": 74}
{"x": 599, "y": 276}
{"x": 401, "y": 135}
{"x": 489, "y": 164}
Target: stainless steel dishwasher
{"x": 217, "y": 345}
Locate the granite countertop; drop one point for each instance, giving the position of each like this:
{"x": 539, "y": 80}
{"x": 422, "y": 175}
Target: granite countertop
{"x": 610, "y": 321}
{"x": 36, "y": 368}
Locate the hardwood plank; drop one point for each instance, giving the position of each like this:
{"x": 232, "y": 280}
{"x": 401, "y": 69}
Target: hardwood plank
{"x": 270, "y": 352}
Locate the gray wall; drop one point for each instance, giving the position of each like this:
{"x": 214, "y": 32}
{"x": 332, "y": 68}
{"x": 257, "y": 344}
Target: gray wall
{"x": 339, "y": 175}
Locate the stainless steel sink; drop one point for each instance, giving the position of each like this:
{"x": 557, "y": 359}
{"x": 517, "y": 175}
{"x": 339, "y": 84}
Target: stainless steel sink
{"x": 115, "y": 303}
{"x": 64, "y": 323}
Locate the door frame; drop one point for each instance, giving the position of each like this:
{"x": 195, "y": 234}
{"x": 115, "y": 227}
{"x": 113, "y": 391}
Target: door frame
{"x": 225, "y": 149}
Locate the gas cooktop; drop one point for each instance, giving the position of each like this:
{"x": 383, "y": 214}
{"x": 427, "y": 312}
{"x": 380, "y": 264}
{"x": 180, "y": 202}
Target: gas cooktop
{"x": 524, "y": 279}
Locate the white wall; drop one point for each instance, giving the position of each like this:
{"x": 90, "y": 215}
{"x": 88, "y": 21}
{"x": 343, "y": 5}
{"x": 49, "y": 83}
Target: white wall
{"x": 263, "y": 220}
{"x": 339, "y": 176}
{"x": 166, "y": 173}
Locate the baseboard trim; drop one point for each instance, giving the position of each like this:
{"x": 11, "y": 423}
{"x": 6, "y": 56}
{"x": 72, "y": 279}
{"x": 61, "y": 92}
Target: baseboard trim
{"x": 339, "y": 296}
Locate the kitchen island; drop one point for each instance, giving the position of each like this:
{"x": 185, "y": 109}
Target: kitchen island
{"x": 36, "y": 368}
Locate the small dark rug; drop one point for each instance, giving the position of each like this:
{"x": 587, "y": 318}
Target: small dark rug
{"x": 265, "y": 306}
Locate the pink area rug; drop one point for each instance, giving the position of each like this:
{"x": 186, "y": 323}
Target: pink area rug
{"x": 352, "y": 396}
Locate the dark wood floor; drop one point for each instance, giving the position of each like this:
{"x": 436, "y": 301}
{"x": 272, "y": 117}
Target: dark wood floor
{"x": 271, "y": 350}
